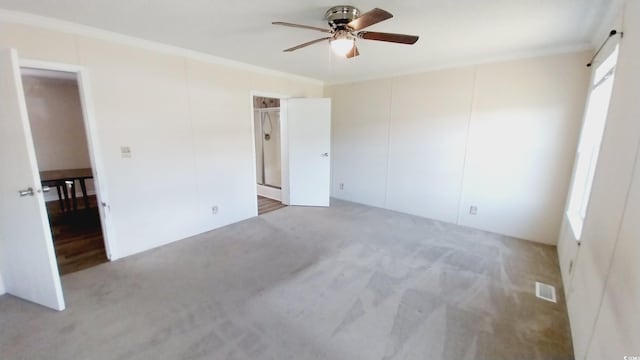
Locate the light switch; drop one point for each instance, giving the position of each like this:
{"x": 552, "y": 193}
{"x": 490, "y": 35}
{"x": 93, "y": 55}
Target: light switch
{"x": 125, "y": 152}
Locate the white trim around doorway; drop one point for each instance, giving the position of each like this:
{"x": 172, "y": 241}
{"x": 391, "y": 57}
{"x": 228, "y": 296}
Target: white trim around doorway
{"x": 91, "y": 130}
{"x": 284, "y": 153}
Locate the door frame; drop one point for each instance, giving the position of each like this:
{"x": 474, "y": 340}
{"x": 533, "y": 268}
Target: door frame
{"x": 284, "y": 141}
{"x": 91, "y": 133}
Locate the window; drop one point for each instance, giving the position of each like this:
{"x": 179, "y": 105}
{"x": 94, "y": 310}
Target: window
{"x": 590, "y": 139}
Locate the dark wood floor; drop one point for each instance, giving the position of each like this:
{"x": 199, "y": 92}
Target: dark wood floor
{"x": 77, "y": 236}
{"x": 266, "y": 205}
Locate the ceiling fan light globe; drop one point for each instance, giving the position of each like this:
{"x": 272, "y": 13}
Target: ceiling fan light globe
{"x": 342, "y": 47}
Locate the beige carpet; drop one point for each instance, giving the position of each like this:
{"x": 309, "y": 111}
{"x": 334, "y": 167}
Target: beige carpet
{"x": 347, "y": 282}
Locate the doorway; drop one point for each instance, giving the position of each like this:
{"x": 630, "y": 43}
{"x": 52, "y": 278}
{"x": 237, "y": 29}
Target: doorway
{"x": 268, "y": 147}
{"x": 56, "y": 117}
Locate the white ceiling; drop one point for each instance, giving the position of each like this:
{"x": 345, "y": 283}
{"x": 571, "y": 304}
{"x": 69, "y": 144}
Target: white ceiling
{"x": 451, "y": 31}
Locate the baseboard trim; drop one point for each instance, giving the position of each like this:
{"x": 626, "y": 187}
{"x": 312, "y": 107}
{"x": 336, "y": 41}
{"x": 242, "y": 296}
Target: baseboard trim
{"x": 269, "y": 192}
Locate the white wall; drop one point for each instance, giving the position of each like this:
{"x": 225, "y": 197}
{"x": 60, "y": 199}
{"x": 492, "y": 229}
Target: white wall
{"x": 428, "y": 131}
{"x": 360, "y": 140}
{"x": 57, "y": 125}
{"x": 603, "y": 286}
{"x": 257, "y": 135}
{"x": 499, "y": 136}
{"x": 2, "y": 290}
{"x": 187, "y": 121}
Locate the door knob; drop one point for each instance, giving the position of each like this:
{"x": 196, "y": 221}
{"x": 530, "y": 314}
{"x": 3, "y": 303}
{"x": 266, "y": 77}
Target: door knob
{"x": 26, "y": 192}
{"x": 324, "y": 154}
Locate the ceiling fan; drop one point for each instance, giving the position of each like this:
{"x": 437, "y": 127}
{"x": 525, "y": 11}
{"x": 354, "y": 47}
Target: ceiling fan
{"x": 345, "y": 23}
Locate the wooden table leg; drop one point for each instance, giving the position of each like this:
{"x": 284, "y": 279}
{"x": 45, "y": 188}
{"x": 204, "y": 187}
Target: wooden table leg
{"x": 66, "y": 196}
{"x": 60, "y": 195}
{"x": 83, "y": 186}
{"x": 73, "y": 195}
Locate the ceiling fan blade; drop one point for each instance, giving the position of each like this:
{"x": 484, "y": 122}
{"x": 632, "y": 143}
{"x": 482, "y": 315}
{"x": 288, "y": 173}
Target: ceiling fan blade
{"x": 388, "y": 37}
{"x": 353, "y": 53}
{"x": 306, "y": 44}
{"x": 369, "y": 18}
{"x": 300, "y": 26}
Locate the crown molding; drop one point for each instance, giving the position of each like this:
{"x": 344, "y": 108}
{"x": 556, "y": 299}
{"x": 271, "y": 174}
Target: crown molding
{"x": 17, "y": 17}
{"x": 481, "y": 61}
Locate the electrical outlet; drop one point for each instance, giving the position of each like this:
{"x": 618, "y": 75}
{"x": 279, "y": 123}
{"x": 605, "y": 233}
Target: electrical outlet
{"x": 214, "y": 209}
{"x": 473, "y": 210}
{"x": 341, "y": 186}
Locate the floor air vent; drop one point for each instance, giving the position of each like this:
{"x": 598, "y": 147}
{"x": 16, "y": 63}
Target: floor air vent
{"x": 545, "y": 292}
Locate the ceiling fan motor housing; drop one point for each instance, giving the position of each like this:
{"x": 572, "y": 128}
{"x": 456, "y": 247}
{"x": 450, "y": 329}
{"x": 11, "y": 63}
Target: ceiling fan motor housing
{"x": 339, "y": 16}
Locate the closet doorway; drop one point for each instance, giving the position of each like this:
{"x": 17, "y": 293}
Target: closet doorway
{"x": 268, "y": 147}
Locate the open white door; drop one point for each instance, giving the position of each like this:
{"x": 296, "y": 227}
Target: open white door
{"x": 308, "y": 138}
{"x": 27, "y": 258}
